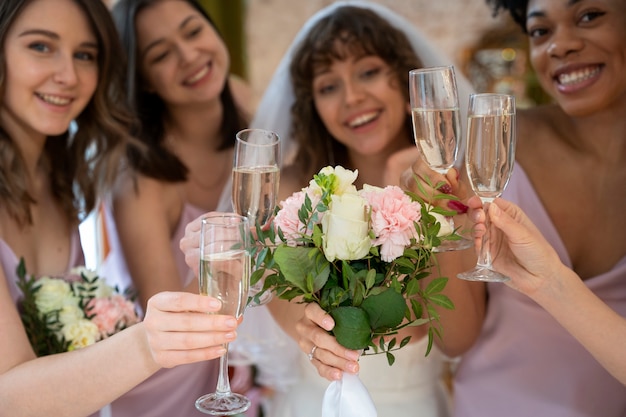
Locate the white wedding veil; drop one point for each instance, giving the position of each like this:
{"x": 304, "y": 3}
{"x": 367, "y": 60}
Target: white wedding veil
{"x": 274, "y": 109}
{"x": 277, "y": 357}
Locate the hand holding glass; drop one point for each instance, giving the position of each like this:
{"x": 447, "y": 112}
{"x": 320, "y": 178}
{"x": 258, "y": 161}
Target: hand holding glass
{"x": 436, "y": 126}
{"x": 489, "y": 159}
{"x": 225, "y": 274}
{"x": 256, "y": 177}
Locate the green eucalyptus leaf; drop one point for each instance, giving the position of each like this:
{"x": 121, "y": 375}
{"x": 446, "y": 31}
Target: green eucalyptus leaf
{"x": 352, "y": 328}
{"x": 385, "y": 310}
{"x": 293, "y": 261}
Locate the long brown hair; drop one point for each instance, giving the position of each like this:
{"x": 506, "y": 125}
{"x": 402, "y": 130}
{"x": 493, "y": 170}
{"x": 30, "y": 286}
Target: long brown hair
{"x": 348, "y": 31}
{"x": 158, "y": 162}
{"x": 81, "y": 165}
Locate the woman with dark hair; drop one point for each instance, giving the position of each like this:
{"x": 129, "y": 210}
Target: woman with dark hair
{"x": 60, "y": 61}
{"x": 524, "y": 362}
{"x": 179, "y": 85}
{"x": 341, "y": 97}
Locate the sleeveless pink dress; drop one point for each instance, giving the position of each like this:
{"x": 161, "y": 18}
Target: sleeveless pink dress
{"x": 169, "y": 392}
{"x": 524, "y": 363}
{"x": 10, "y": 260}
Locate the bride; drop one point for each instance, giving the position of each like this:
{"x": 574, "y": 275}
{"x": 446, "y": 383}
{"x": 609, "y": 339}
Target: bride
{"x": 340, "y": 97}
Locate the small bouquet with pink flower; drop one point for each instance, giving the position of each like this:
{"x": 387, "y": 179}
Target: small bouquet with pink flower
{"x": 360, "y": 254}
{"x": 61, "y": 314}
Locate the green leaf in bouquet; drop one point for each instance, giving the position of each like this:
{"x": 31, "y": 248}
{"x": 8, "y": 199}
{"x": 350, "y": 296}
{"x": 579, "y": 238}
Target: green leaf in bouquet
{"x": 256, "y": 276}
{"x": 412, "y": 288}
{"x": 405, "y": 265}
{"x": 370, "y": 279}
{"x": 385, "y": 310}
{"x": 296, "y": 263}
{"x": 333, "y": 297}
{"x": 441, "y": 300}
{"x": 417, "y": 308}
{"x": 436, "y": 285}
{"x": 352, "y": 328}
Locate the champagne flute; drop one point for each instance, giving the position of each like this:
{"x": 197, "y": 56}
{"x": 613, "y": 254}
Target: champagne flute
{"x": 225, "y": 274}
{"x": 489, "y": 160}
{"x": 436, "y": 126}
{"x": 256, "y": 176}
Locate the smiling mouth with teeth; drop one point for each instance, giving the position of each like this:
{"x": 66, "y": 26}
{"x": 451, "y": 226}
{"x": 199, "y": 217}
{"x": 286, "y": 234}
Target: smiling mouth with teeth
{"x": 363, "y": 119}
{"x": 198, "y": 76}
{"x": 577, "y": 76}
{"x": 56, "y": 100}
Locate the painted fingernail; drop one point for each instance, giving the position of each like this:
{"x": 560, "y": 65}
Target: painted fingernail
{"x": 445, "y": 188}
{"x": 457, "y": 206}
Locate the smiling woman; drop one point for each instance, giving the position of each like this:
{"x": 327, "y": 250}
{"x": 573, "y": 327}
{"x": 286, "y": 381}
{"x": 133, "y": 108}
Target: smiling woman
{"x": 61, "y": 62}
{"x": 340, "y": 95}
{"x": 179, "y": 86}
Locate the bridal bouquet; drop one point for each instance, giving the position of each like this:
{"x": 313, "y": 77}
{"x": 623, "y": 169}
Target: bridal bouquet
{"x": 360, "y": 254}
{"x": 61, "y": 314}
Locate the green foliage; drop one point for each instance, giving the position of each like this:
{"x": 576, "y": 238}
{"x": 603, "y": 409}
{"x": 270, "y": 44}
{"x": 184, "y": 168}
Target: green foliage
{"x": 41, "y": 329}
{"x": 369, "y": 299}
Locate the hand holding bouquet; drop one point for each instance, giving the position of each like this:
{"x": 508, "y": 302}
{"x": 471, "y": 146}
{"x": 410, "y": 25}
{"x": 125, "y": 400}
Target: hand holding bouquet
{"x": 360, "y": 255}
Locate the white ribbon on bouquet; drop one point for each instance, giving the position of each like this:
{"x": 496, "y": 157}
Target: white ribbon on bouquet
{"x": 348, "y": 397}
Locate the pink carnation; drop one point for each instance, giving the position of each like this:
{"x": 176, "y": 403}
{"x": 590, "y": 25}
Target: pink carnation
{"x": 393, "y": 217}
{"x": 112, "y": 314}
{"x": 287, "y": 218}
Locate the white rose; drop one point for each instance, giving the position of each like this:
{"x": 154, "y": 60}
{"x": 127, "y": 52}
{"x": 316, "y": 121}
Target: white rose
{"x": 81, "y": 333}
{"x": 70, "y": 312}
{"x": 446, "y": 227}
{"x": 343, "y": 183}
{"x": 52, "y": 294}
{"x": 346, "y": 229}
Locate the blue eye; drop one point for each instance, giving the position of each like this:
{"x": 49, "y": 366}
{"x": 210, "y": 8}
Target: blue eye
{"x": 39, "y": 47}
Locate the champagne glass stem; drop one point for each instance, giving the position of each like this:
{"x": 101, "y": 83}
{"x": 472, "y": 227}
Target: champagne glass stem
{"x": 223, "y": 382}
{"x": 484, "y": 255}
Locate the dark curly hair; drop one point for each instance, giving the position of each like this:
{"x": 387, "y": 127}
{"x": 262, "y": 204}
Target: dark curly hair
{"x": 517, "y": 9}
{"x": 81, "y": 165}
{"x": 158, "y": 162}
{"x": 348, "y": 31}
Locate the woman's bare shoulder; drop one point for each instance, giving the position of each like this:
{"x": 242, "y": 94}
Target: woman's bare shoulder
{"x": 242, "y": 93}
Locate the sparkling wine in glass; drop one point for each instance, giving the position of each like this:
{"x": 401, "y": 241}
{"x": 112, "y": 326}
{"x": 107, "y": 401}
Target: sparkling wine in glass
{"x": 489, "y": 160}
{"x": 436, "y": 126}
{"x": 256, "y": 177}
{"x": 225, "y": 274}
